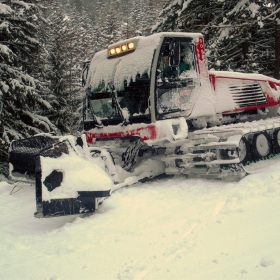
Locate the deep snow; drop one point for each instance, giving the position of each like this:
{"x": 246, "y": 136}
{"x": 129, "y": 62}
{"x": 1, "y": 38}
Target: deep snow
{"x": 173, "y": 228}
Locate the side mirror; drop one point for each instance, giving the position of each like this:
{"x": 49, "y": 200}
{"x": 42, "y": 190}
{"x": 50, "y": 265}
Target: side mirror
{"x": 174, "y": 53}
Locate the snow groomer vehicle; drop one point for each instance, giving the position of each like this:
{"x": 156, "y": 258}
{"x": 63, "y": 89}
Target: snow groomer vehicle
{"x": 152, "y": 107}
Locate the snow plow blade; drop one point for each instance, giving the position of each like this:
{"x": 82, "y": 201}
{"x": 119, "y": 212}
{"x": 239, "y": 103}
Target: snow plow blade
{"x": 68, "y": 180}
{"x": 86, "y": 202}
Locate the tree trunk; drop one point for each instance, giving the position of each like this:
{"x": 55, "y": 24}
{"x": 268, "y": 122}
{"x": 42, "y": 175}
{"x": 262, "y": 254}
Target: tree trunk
{"x": 277, "y": 41}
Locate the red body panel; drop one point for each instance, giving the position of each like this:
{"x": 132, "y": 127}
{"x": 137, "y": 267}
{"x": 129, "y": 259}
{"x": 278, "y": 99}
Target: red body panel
{"x": 270, "y": 100}
{"x": 199, "y": 51}
{"x": 147, "y": 132}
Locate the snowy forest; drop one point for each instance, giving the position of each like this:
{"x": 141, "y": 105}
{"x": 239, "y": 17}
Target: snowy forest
{"x": 44, "y": 44}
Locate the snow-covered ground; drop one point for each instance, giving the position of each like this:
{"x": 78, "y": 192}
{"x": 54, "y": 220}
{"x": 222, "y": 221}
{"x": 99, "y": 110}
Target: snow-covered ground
{"x": 175, "y": 228}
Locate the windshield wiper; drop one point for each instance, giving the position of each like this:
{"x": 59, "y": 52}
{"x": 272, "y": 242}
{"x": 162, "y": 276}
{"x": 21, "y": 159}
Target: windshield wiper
{"x": 116, "y": 105}
{"x": 96, "y": 120}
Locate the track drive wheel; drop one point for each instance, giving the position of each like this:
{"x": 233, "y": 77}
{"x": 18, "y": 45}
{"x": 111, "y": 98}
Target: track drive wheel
{"x": 261, "y": 145}
{"x": 243, "y": 150}
{"x": 276, "y": 141}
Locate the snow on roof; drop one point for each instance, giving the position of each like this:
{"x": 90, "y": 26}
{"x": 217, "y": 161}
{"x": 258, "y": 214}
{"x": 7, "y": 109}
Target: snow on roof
{"x": 127, "y": 66}
{"x": 239, "y": 75}
{"x": 124, "y": 67}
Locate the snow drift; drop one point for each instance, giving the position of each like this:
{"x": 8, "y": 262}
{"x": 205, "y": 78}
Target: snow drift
{"x": 175, "y": 228}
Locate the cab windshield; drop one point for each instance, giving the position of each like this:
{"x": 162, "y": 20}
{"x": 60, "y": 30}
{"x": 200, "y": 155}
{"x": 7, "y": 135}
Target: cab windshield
{"x": 106, "y": 106}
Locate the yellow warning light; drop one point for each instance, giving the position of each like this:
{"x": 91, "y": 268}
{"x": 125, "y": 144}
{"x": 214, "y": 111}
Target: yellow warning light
{"x": 124, "y": 48}
{"x": 121, "y": 49}
{"x": 131, "y": 45}
{"x": 112, "y": 51}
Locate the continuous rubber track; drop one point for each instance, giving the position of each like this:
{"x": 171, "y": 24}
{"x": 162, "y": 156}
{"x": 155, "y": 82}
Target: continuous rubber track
{"x": 226, "y": 152}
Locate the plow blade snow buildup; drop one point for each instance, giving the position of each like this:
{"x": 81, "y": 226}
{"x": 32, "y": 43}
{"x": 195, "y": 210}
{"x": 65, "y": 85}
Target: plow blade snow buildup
{"x": 152, "y": 107}
{"x": 66, "y": 182}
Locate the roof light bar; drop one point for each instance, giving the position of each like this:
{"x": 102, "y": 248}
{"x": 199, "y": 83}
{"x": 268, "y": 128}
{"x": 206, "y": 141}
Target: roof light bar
{"x": 122, "y": 48}
{"x": 130, "y": 45}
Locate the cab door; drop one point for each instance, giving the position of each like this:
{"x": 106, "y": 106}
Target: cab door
{"x": 177, "y": 78}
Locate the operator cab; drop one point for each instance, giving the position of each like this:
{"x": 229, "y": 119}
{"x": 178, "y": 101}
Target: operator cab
{"x": 141, "y": 80}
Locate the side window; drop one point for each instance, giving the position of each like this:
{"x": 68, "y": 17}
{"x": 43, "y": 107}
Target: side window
{"x": 186, "y": 67}
{"x": 168, "y": 72}
{"x": 186, "y": 61}
{"x": 175, "y": 83}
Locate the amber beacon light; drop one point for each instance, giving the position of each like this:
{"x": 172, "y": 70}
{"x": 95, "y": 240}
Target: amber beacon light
{"x": 122, "y": 48}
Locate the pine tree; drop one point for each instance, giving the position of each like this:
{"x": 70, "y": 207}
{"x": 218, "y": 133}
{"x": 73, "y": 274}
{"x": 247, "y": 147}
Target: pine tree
{"x": 276, "y": 12}
{"x": 243, "y": 44}
{"x": 118, "y": 19}
{"x": 110, "y": 28}
{"x": 240, "y": 35}
{"x": 80, "y": 49}
{"x": 19, "y": 97}
{"x": 89, "y": 38}
{"x": 68, "y": 47}
{"x": 168, "y": 17}
{"x": 151, "y": 10}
